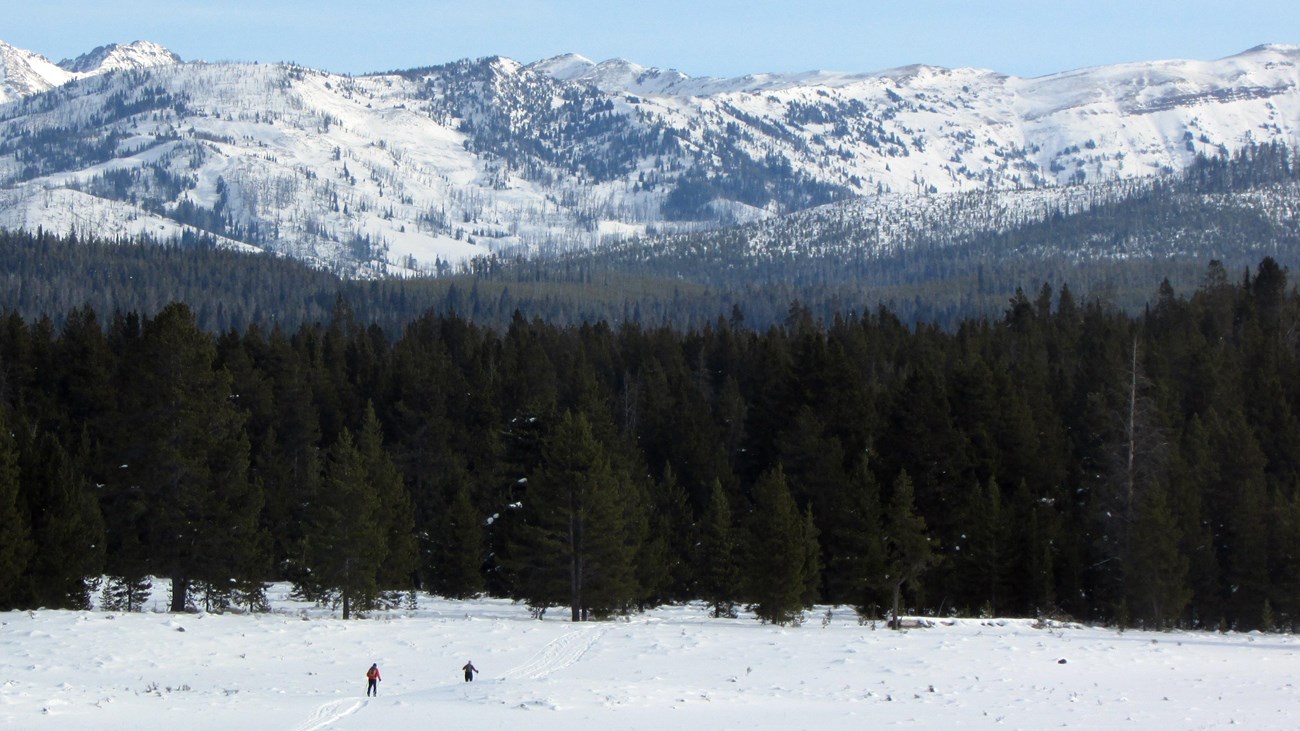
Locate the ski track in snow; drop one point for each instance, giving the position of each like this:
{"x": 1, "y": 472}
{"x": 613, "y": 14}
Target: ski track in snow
{"x": 558, "y": 654}
{"x": 331, "y": 712}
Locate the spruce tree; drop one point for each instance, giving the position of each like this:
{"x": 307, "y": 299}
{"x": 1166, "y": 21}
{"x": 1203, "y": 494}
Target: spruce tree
{"x": 185, "y": 457}
{"x": 575, "y": 548}
{"x": 776, "y": 552}
{"x": 907, "y": 544}
{"x": 718, "y": 570}
{"x": 396, "y": 510}
{"x": 985, "y": 559}
{"x": 1156, "y": 571}
{"x": 856, "y": 564}
{"x": 16, "y": 547}
{"x": 345, "y": 542}
{"x": 67, "y": 527}
{"x": 459, "y": 554}
{"x": 812, "y": 560}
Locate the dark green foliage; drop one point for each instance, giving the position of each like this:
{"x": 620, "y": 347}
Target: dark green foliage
{"x": 718, "y": 566}
{"x": 1157, "y": 570}
{"x": 1065, "y": 458}
{"x": 125, "y": 593}
{"x": 66, "y": 524}
{"x": 907, "y": 543}
{"x": 457, "y": 566}
{"x": 184, "y": 460}
{"x": 776, "y": 552}
{"x": 344, "y": 545}
{"x": 575, "y": 546}
{"x": 854, "y": 544}
{"x": 396, "y": 513}
{"x": 16, "y": 547}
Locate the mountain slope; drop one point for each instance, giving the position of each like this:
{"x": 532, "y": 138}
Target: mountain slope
{"x": 408, "y": 171}
{"x": 23, "y": 73}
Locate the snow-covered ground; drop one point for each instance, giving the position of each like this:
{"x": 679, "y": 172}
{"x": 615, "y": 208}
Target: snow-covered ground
{"x": 301, "y": 668}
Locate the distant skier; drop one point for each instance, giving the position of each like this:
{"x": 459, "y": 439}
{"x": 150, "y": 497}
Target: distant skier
{"x": 372, "y": 680}
{"x": 469, "y": 671}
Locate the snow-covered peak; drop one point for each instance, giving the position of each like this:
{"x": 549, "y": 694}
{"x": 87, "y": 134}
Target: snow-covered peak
{"x": 23, "y": 73}
{"x": 1283, "y": 49}
{"x": 566, "y": 67}
{"x": 113, "y": 56}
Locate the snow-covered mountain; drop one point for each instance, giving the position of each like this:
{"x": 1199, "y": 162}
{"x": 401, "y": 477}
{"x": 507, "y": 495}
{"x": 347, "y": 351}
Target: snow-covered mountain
{"x": 409, "y": 170}
{"x": 114, "y": 57}
{"x": 24, "y": 73}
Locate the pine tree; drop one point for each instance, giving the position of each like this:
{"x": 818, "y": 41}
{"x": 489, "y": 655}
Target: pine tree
{"x": 776, "y": 552}
{"x": 812, "y": 560}
{"x": 460, "y": 551}
{"x": 576, "y": 550}
{"x": 907, "y": 545}
{"x": 67, "y": 527}
{"x": 125, "y": 593}
{"x": 856, "y": 564}
{"x": 718, "y": 570}
{"x": 665, "y": 564}
{"x": 985, "y": 558}
{"x": 16, "y": 547}
{"x": 185, "y": 455}
{"x": 396, "y": 511}
{"x": 345, "y": 540}
{"x": 1156, "y": 570}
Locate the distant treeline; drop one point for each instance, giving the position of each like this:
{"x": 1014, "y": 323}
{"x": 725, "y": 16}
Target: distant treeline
{"x": 1063, "y": 458}
{"x": 1234, "y": 209}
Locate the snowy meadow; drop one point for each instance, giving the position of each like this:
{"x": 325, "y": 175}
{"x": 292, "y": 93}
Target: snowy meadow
{"x": 301, "y": 668}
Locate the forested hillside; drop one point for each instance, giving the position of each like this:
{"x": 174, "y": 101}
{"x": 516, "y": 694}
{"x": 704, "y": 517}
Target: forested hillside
{"x": 943, "y": 261}
{"x": 964, "y": 257}
{"x": 1063, "y": 457}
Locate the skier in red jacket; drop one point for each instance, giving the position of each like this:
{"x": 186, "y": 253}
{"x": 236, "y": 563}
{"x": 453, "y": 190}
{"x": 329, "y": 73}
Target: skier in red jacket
{"x": 469, "y": 671}
{"x": 372, "y": 678}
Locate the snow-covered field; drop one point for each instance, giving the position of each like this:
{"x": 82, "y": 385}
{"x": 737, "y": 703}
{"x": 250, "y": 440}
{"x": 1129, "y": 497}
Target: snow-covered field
{"x": 302, "y": 669}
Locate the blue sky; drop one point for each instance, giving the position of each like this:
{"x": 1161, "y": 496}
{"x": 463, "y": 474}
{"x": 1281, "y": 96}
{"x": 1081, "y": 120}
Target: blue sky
{"x": 700, "y": 38}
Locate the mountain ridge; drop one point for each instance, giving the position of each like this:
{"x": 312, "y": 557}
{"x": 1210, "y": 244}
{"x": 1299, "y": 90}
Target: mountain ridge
{"x": 410, "y": 171}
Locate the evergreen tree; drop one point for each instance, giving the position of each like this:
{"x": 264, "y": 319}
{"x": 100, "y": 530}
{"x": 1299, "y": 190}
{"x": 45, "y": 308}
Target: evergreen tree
{"x": 907, "y": 544}
{"x": 396, "y": 511}
{"x": 812, "y": 560}
{"x": 665, "y": 566}
{"x": 718, "y": 570}
{"x": 460, "y": 551}
{"x": 576, "y": 550}
{"x": 185, "y": 453}
{"x": 1157, "y": 570}
{"x": 16, "y": 547}
{"x": 125, "y": 593}
{"x": 346, "y": 538}
{"x": 984, "y": 558}
{"x": 856, "y": 566}
{"x": 776, "y": 552}
{"x": 67, "y": 527}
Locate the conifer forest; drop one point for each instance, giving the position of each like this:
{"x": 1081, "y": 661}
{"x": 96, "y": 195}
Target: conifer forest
{"x": 1063, "y": 457}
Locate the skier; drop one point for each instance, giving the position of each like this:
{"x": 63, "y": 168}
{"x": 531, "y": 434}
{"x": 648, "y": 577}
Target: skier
{"x": 372, "y": 678}
{"x": 469, "y": 671}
